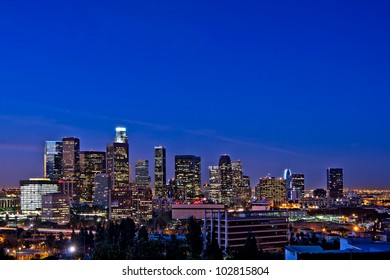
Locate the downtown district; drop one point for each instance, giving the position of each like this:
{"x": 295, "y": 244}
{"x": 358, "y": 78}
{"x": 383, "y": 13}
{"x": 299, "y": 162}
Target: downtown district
{"x": 86, "y": 206}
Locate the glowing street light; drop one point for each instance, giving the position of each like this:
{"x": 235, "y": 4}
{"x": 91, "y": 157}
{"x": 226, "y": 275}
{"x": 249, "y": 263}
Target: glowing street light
{"x": 72, "y": 249}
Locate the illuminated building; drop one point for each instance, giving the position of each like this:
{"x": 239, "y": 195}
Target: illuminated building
{"x": 237, "y": 181}
{"x": 56, "y": 208}
{"x": 335, "y": 182}
{"x": 121, "y": 202}
{"x": 245, "y": 193}
{"x": 272, "y": 188}
{"x": 297, "y": 186}
{"x": 188, "y": 176}
{"x": 226, "y": 180}
{"x": 52, "y": 168}
{"x": 31, "y": 194}
{"x": 287, "y": 178}
{"x": 160, "y": 172}
{"x": 197, "y": 210}
{"x": 71, "y": 159}
{"x": 102, "y": 190}
{"x": 142, "y": 192}
{"x": 91, "y": 164}
{"x": 231, "y": 230}
{"x": 214, "y": 184}
{"x": 9, "y": 204}
{"x": 118, "y": 160}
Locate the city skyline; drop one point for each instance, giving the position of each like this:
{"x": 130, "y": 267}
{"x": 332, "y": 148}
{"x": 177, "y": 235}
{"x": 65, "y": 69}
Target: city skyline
{"x": 275, "y": 85}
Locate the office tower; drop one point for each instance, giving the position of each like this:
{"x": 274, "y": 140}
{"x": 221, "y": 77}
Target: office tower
{"x": 335, "y": 182}
{"x": 160, "y": 170}
{"x": 237, "y": 181}
{"x": 287, "y": 177}
{"x": 118, "y": 160}
{"x": 245, "y": 193}
{"x": 52, "y": 168}
{"x": 121, "y": 203}
{"x": 142, "y": 192}
{"x": 91, "y": 164}
{"x": 142, "y": 178}
{"x": 273, "y": 189}
{"x": 226, "y": 180}
{"x": 31, "y": 194}
{"x": 56, "y": 208}
{"x": 102, "y": 190}
{"x": 188, "y": 176}
{"x": 71, "y": 159}
{"x": 215, "y": 185}
{"x": 297, "y": 186}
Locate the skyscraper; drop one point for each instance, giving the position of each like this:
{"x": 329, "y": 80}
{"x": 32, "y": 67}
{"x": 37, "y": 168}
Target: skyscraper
{"x": 215, "y": 186}
{"x": 142, "y": 192}
{"x": 335, "y": 182}
{"x": 52, "y": 168}
{"x": 226, "y": 180}
{"x": 188, "y": 176}
{"x": 102, "y": 190}
{"x": 297, "y": 186}
{"x": 237, "y": 181}
{"x": 118, "y": 160}
{"x": 160, "y": 170}
{"x": 287, "y": 177}
{"x": 91, "y": 164}
{"x": 273, "y": 189}
{"x": 71, "y": 159}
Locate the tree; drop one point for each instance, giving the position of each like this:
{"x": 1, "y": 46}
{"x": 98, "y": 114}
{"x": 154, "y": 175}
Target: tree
{"x": 194, "y": 238}
{"x": 250, "y": 250}
{"x": 213, "y": 252}
{"x": 143, "y": 233}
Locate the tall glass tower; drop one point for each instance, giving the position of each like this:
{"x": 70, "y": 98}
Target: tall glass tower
{"x": 160, "y": 170}
{"x": 226, "y": 180}
{"x": 53, "y": 160}
{"x": 335, "y": 182}
{"x": 118, "y": 159}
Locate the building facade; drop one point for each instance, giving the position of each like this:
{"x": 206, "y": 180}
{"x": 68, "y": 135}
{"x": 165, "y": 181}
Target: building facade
{"x": 273, "y": 189}
{"x": 52, "y": 168}
{"x": 335, "y": 182}
{"x": 118, "y": 160}
{"x": 188, "y": 176}
{"x": 160, "y": 170}
{"x": 71, "y": 159}
{"x": 226, "y": 180}
{"x": 91, "y": 164}
{"x": 32, "y": 191}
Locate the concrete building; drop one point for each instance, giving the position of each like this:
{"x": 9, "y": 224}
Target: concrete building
{"x": 231, "y": 229}
{"x": 56, "y": 208}
{"x": 184, "y": 211}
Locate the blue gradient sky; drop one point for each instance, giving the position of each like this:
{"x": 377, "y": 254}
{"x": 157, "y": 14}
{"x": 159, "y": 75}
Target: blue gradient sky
{"x": 277, "y": 84}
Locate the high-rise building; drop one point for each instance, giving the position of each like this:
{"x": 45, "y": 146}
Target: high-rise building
{"x": 31, "y": 194}
{"x": 71, "y": 159}
{"x": 142, "y": 192}
{"x": 121, "y": 203}
{"x": 273, "y": 189}
{"x": 188, "y": 176}
{"x": 237, "y": 181}
{"x": 245, "y": 193}
{"x": 335, "y": 182}
{"x": 118, "y": 160}
{"x": 160, "y": 170}
{"x": 91, "y": 164}
{"x": 287, "y": 176}
{"x": 226, "y": 180}
{"x": 142, "y": 178}
{"x": 52, "y": 168}
{"x": 215, "y": 185}
{"x": 297, "y": 186}
{"x": 56, "y": 208}
{"x": 102, "y": 190}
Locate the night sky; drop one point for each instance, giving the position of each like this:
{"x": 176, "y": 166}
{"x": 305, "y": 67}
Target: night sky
{"x": 278, "y": 84}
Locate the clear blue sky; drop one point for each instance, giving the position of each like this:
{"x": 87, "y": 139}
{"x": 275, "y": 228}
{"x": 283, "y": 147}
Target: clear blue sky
{"x": 277, "y": 84}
